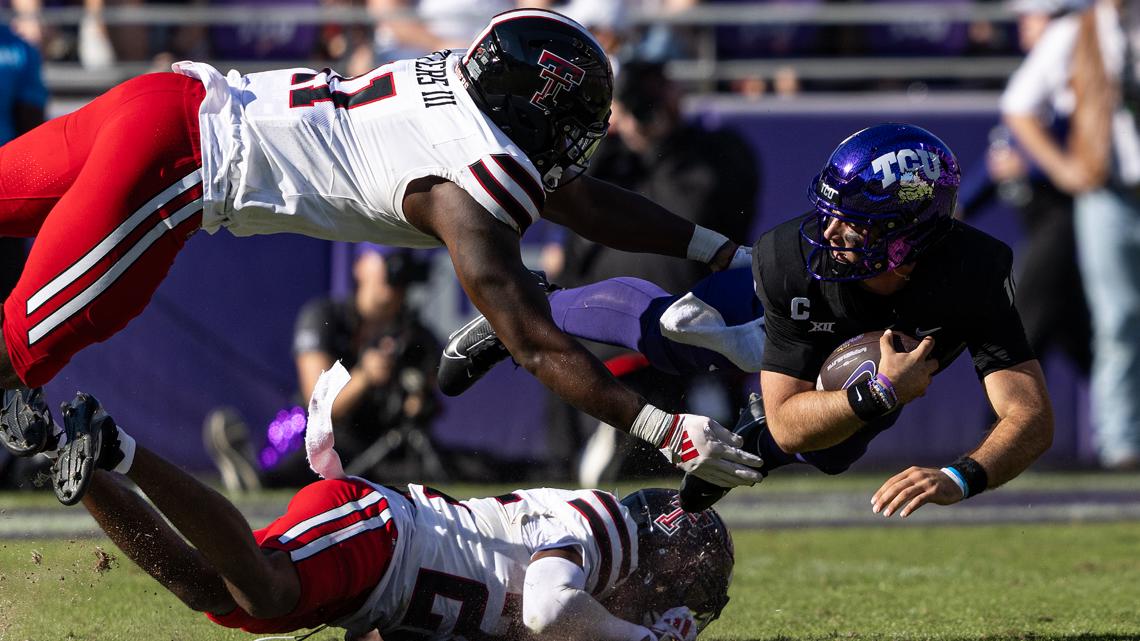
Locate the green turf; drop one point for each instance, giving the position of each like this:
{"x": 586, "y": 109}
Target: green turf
{"x": 788, "y": 480}
{"x": 1035, "y": 582}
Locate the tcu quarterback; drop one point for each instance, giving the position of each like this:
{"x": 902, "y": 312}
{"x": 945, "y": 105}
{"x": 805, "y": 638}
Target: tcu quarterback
{"x": 414, "y": 563}
{"x": 461, "y": 149}
{"x": 879, "y": 250}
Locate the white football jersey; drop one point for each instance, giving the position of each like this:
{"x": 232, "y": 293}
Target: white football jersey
{"x": 311, "y": 152}
{"x": 462, "y": 564}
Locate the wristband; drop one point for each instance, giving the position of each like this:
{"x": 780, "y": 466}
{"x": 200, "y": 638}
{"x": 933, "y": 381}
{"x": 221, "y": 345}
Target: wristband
{"x": 742, "y": 258}
{"x": 974, "y": 479}
{"x": 704, "y": 244}
{"x": 871, "y": 399}
{"x": 654, "y": 426}
{"x": 956, "y": 476}
{"x": 889, "y": 387}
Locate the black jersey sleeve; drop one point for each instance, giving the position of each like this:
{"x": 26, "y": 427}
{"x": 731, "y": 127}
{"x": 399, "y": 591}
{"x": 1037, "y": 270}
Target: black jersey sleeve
{"x": 997, "y": 339}
{"x": 775, "y": 270}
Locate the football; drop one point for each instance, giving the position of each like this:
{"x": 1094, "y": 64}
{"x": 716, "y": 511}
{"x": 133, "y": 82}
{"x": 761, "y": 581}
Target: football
{"x": 857, "y": 359}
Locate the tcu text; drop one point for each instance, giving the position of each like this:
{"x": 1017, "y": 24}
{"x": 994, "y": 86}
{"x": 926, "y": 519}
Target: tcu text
{"x": 908, "y": 161}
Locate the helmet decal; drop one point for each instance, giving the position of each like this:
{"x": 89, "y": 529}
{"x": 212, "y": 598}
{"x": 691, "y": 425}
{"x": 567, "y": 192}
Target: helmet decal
{"x": 912, "y": 188}
{"x": 908, "y": 161}
{"x": 559, "y": 74}
{"x": 672, "y": 522}
{"x": 682, "y": 558}
{"x": 547, "y": 84}
{"x": 894, "y": 185}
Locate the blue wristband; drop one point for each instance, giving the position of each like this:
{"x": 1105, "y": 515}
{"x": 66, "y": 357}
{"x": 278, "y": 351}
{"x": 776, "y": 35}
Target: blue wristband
{"x": 957, "y": 477}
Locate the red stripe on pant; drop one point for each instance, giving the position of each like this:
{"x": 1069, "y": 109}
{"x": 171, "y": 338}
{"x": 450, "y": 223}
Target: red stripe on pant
{"x": 72, "y": 181}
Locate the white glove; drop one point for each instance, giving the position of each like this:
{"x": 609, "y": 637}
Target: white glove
{"x": 742, "y": 257}
{"x": 676, "y": 624}
{"x": 698, "y": 445}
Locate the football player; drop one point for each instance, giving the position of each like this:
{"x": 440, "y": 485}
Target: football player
{"x": 461, "y": 149}
{"x": 414, "y": 562}
{"x": 879, "y": 250}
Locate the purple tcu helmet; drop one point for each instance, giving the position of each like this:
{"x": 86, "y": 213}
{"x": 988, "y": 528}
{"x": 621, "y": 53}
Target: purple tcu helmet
{"x": 898, "y": 183}
{"x": 547, "y": 84}
{"x": 683, "y": 558}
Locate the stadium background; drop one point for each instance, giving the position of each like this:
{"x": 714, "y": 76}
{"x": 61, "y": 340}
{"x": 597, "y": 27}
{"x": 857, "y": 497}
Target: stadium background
{"x": 219, "y": 329}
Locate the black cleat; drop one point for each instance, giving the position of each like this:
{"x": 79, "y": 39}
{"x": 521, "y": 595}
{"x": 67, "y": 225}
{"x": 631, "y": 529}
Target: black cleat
{"x": 92, "y": 442}
{"x": 470, "y": 353}
{"x": 472, "y": 350}
{"x": 697, "y": 494}
{"x": 26, "y": 426}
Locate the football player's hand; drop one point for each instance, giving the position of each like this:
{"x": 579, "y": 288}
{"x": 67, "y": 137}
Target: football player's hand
{"x": 907, "y": 491}
{"x": 675, "y": 624}
{"x": 722, "y": 259}
{"x": 742, "y": 257}
{"x": 909, "y": 372}
{"x": 704, "y": 448}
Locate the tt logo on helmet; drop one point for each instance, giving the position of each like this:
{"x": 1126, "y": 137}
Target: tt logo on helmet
{"x": 908, "y": 161}
{"x": 671, "y": 522}
{"x": 559, "y": 74}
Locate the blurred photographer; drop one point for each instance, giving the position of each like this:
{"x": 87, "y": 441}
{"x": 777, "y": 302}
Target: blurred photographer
{"x": 388, "y": 404}
{"x": 381, "y": 341}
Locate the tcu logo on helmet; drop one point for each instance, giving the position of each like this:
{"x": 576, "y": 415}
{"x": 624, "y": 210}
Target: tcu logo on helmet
{"x": 559, "y": 74}
{"x": 908, "y": 161}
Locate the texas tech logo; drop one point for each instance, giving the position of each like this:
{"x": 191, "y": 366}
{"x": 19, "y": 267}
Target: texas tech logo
{"x": 559, "y": 74}
{"x": 671, "y": 522}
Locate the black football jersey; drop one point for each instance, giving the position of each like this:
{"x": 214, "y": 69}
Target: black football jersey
{"x": 960, "y": 292}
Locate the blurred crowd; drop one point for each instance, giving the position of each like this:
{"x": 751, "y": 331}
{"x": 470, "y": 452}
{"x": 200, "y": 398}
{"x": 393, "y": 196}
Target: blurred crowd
{"x": 629, "y": 29}
{"x": 1065, "y": 156}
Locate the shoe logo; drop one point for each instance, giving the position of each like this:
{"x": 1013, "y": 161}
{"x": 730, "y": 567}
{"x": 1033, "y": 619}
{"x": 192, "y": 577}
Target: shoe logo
{"x": 451, "y": 350}
{"x": 920, "y": 333}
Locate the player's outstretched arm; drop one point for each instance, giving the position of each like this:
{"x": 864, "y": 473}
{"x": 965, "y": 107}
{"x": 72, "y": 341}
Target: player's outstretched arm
{"x": 622, "y": 219}
{"x": 557, "y": 606}
{"x": 487, "y": 260}
{"x": 1024, "y": 429}
{"x": 1023, "y": 432}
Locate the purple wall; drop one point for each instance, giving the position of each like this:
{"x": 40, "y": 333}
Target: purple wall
{"x": 218, "y": 331}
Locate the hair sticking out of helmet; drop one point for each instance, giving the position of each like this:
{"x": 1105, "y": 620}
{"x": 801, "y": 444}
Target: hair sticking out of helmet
{"x": 885, "y": 195}
{"x": 547, "y": 84}
{"x": 683, "y": 559}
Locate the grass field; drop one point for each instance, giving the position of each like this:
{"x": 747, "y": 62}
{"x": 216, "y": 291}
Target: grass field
{"x": 1036, "y": 581}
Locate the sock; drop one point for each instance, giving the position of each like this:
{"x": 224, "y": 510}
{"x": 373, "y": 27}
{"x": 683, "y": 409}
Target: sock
{"x": 127, "y": 447}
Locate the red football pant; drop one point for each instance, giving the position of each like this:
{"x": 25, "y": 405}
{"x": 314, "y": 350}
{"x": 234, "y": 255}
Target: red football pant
{"x": 111, "y": 192}
{"x": 341, "y": 538}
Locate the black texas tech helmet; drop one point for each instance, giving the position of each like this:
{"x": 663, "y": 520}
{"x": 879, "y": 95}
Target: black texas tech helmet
{"x": 547, "y": 84}
{"x": 683, "y": 558}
